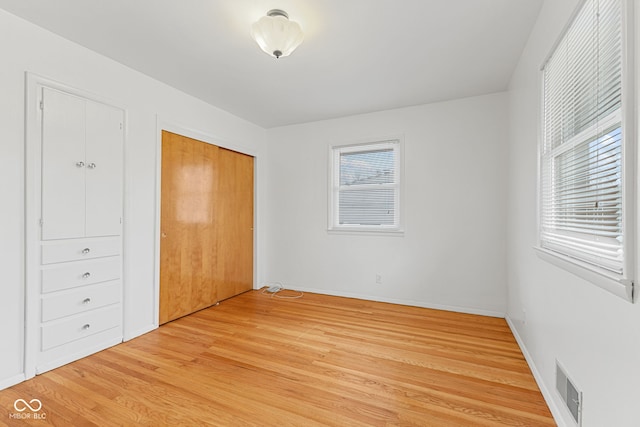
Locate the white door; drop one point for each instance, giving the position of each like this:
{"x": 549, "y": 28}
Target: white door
{"x": 104, "y": 144}
{"x": 63, "y": 166}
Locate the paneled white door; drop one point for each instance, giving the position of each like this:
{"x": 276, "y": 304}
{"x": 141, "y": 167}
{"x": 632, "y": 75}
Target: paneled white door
{"x": 63, "y": 166}
{"x": 104, "y": 169}
{"x": 82, "y": 167}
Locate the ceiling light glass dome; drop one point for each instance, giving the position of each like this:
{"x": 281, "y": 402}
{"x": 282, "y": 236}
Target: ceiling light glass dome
{"x": 276, "y": 34}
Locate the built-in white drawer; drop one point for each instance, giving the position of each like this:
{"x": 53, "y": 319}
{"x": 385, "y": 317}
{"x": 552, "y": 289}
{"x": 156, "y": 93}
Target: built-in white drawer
{"x": 70, "y": 275}
{"x": 79, "y": 300}
{"x": 70, "y": 329}
{"x": 79, "y": 249}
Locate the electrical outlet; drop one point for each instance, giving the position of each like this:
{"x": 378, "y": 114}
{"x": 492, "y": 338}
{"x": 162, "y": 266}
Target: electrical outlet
{"x": 378, "y": 279}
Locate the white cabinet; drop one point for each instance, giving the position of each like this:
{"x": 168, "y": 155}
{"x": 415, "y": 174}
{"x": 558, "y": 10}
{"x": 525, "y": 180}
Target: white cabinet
{"x": 81, "y": 167}
{"x": 79, "y": 261}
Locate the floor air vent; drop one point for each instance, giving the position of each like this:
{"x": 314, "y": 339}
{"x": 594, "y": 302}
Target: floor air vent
{"x": 569, "y": 393}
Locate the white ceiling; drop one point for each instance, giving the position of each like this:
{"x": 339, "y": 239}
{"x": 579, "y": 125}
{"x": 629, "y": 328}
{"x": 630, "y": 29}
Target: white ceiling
{"x": 358, "y": 55}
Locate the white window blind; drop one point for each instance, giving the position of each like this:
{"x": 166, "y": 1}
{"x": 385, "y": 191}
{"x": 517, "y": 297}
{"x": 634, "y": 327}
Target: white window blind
{"x": 582, "y": 165}
{"x": 365, "y": 187}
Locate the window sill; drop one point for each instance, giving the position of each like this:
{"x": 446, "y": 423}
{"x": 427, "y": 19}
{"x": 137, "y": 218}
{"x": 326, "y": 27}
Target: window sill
{"x": 608, "y": 281}
{"x": 366, "y": 232}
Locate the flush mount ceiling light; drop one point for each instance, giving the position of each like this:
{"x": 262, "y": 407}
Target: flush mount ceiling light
{"x": 276, "y": 35}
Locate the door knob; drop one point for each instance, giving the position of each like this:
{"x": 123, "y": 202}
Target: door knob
{"x": 80, "y": 164}
{"x": 91, "y": 165}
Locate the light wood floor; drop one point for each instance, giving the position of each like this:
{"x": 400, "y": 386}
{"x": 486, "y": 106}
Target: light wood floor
{"x": 318, "y": 360}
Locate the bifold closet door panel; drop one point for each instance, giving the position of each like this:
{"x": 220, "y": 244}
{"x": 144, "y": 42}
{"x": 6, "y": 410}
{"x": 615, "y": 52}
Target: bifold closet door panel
{"x": 234, "y": 232}
{"x": 187, "y": 240}
{"x": 104, "y": 169}
{"x": 63, "y": 165}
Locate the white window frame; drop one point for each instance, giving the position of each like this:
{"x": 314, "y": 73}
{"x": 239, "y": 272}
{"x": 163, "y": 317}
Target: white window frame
{"x": 621, "y": 285}
{"x": 394, "y": 142}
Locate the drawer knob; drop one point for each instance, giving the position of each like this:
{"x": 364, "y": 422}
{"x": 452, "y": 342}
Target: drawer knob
{"x": 86, "y": 301}
{"x": 86, "y": 327}
{"x": 86, "y": 275}
{"x": 86, "y": 251}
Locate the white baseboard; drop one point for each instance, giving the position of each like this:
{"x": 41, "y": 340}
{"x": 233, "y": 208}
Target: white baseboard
{"x": 138, "y": 332}
{"x": 546, "y": 393}
{"x": 11, "y": 381}
{"x": 17, "y": 379}
{"x": 76, "y": 355}
{"x": 457, "y": 309}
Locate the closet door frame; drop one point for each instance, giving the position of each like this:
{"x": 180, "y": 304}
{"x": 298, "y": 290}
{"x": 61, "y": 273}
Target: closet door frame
{"x": 34, "y": 86}
{"x": 177, "y": 128}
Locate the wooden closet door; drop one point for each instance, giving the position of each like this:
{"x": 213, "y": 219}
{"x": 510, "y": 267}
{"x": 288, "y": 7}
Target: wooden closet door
{"x": 234, "y": 230}
{"x": 188, "y": 247}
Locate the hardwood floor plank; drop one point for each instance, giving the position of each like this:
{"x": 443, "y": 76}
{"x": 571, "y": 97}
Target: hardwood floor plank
{"x": 256, "y": 360}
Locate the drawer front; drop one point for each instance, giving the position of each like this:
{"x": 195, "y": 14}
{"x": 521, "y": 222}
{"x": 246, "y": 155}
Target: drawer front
{"x": 79, "y": 249}
{"x": 71, "y": 275}
{"x": 77, "y": 327}
{"x": 85, "y": 298}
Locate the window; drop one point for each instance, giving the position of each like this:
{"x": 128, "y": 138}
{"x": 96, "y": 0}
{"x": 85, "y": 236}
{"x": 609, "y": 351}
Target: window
{"x": 365, "y": 187}
{"x": 585, "y": 206}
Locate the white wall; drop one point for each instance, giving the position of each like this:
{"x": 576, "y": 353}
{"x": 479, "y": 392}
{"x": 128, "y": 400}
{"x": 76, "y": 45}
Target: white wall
{"x": 458, "y": 193}
{"x": 453, "y": 252}
{"x": 594, "y": 334}
{"x": 25, "y": 47}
